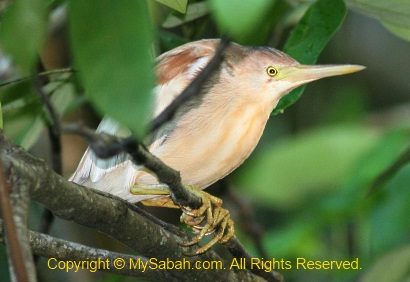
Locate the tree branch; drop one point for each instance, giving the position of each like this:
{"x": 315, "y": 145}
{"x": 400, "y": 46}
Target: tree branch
{"x": 45, "y": 73}
{"x": 15, "y": 217}
{"x": 112, "y": 217}
{"x": 51, "y": 247}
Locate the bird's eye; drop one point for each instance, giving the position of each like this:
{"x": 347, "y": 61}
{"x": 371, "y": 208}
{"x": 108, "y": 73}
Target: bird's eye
{"x": 272, "y": 71}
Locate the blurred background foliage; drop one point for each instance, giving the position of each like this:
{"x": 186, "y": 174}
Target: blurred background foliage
{"x": 330, "y": 178}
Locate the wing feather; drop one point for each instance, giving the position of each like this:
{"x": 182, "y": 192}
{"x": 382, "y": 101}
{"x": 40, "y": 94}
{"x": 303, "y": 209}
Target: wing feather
{"x": 93, "y": 168}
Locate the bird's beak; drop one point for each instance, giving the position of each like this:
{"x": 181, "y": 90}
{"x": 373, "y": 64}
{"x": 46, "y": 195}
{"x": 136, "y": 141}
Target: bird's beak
{"x": 301, "y": 74}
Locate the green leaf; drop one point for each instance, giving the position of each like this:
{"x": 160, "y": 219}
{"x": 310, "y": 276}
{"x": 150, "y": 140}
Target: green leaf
{"x": 389, "y": 223}
{"x": 297, "y": 239}
{"x": 24, "y": 115}
{"x": 393, "y": 266}
{"x": 239, "y": 18}
{"x": 384, "y": 152}
{"x": 388, "y": 152}
{"x": 392, "y": 170}
{"x": 20, "y": 109}
{"x": 403, "y": 32}
{"x": 194, "y": 11}
{"x": 23, "y": 30}
{"x": 309, "y": 38}
{"x": 393, "y": 14}
{"x": 111, "y": 41}
{"x": 179, "y": 5}
{"x": 288, "y": 172}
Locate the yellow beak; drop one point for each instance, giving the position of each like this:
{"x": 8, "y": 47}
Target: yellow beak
{"x": 302, "y": 74}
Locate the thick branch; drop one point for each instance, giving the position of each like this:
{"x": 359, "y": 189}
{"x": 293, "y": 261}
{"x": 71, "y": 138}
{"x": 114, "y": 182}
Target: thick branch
{"x": 51, "y": 247}
{"x": 114, "y": 218}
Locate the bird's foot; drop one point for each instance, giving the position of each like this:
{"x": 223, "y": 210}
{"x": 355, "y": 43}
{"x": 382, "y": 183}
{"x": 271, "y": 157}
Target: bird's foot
{"x": 217, "y": 220}
{"x": 209, "y": 218}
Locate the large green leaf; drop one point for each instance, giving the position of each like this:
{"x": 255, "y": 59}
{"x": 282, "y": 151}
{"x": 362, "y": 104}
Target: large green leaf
{"x": 363, "y": 172}
{"x": 286, "y": 173}
{"x": 309, "y": 38}
{"x": 111, "y": 43}
{"x": 240, "y": 18}
{"x": 389, "y": 203}
{"x": 22, "y": 31}
{"x": 394, "y": 14}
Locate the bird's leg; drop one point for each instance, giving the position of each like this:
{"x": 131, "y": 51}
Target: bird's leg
{"x": 150, "y": 189}
{"x": 218, "y": 220}
{"x": 154, "y": 189}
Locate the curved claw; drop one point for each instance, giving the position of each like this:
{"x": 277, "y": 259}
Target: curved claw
{"x": 218, "y": 221}
{"x": 187, "y": 211}
{"x": 191, "y": 220}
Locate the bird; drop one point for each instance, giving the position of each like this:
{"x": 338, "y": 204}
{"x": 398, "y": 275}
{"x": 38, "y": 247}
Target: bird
{"x": 211, "y": 134}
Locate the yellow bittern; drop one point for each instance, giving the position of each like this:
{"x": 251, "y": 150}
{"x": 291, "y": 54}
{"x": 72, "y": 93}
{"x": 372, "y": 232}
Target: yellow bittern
{"x": 209, "y": 136}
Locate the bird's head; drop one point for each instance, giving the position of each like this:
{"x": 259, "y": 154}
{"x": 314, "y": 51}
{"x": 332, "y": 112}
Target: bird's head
{"x": 266, "y": 74}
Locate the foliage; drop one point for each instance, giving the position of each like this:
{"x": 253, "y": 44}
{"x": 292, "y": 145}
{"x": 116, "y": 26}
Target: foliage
{"x": 24, "y": 21}
{"x": 125, "y": 49}
{"x": 178, "y": 5}
{"x": 315, "y": 183}
{"x": 310, "y": 37}
{"x": 394, "y": 14}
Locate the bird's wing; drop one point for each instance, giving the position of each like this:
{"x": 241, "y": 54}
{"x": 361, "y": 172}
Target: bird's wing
{"x": 93, "y": 168}
{"x": 175, "y": 69}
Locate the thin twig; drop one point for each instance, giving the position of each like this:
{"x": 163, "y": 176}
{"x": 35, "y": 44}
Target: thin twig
{"x": 45, "y": 73}
{"x": 15, "y": 251}
{"x": 193, "y": 89}
{"x": 53, "y": 126}
{"x": 54, "y": 131}
{"x": 54, "y": 118}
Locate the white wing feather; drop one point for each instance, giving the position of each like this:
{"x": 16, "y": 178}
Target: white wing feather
{"x": 93, "y": 168}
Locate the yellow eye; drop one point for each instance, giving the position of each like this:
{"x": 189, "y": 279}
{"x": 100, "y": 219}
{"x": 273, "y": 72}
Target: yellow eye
{"x": 272, "y": 71}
